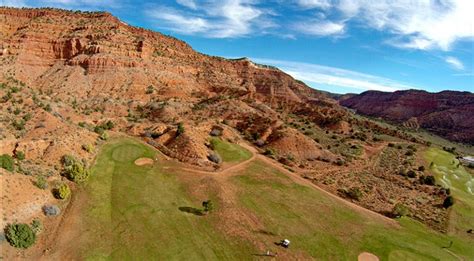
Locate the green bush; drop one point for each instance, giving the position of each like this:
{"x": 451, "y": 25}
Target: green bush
{"x": 448, "y": 202}
{"x": 74, "y": 169}
{"x": 354, "y": 193}
{"x": 104, "y": 136}
{"x": 400, "y": 210}
{"x": 88, "y": 147}
{"x": 180, "y": 129}
{"x": 62, "y": 191}
{"x": 149, "y": 89}
{"x": 41, "y": 182}
{"x": 20, "y": 235}
{"x": 6, "y": 162}
{"x": 20, "y": 155}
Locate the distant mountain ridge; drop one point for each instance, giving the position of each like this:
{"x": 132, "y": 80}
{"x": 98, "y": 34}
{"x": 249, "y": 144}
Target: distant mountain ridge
{"x": 446, "y": 113}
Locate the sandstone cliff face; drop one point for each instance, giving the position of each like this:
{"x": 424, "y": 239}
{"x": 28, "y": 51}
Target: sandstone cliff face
{"x": 447, "y": 113}
{"x": 96, "y": 51}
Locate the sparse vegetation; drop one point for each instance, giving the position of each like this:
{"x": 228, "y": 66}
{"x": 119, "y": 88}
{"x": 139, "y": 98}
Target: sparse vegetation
{"x": 20, "y": 155}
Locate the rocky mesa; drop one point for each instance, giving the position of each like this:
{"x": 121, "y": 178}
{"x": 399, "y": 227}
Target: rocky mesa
{"x": 447, "y": 113}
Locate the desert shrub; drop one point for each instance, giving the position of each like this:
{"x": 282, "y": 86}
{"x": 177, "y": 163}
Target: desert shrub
{"x": 41, "y": 182}
{"x": 104, "y": 136}
{"x": 108, "y": 125}
{"x": 208, "y": 205}
{"x": 6, "y": 162}
{"x": 62, "y": 191}
{"x": 214, "y": 157}
{"x": 427, "y": 180}
{"x": 269, "y": 152}
{"x": 88, "y": 147}
{"x": 448, "y": 149}
{"x": 27, "y": 117}
{"x": 180, "y": 129}
{"x": 37, "y": 226}
{"x": 391, "y": 145}
{"x": 74, "y": 169}
{"x": 20, "y": 235}
{"x": 20, "y": 155}
{"x": 421, "y": 168}
{"x": 51, "y": 210}
{"x": 411, "y": 174}
{"x": 400, "y": 210}
{"x": 402, "y": 172}
{"x": 149, "y": 89}
{"x": 354, "y": 193}
{"x": 99, "y": 130}
{"x": 340, "y": 162}
{"x": 255, "y": 135}
{"x": 19, "y": 125}
{"x": 448, "y": 202}
{"x": 409, "y": 153}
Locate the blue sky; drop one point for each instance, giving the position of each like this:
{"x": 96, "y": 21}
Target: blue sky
{"x": 334, "y": 45}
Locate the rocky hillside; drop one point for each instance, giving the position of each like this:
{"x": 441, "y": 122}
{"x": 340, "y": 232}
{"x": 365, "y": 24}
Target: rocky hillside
{"x": 90, "y": 67}
{"x": 447, "y": 113}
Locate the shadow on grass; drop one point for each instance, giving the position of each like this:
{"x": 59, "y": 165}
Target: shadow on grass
{"x": 191, "y": 210}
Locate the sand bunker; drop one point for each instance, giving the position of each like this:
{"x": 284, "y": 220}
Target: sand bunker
{"x": 144, "y": 161}
{"x": 364, "y": 256}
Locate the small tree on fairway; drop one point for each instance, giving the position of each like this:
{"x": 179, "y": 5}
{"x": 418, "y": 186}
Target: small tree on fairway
{"x": 207, "y": 205}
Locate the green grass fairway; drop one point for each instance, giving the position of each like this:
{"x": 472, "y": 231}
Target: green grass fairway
{"x": 460, "y": 182}
{"x": 325, "y": 229}
{"x": 133, "y": 213}
{"x": 230, "y": 152}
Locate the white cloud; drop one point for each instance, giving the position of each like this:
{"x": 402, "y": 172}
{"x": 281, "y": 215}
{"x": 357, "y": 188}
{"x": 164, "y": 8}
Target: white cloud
{"x": 323, "y": 4}
{"x": 320, "y": 28}
{"x": 219, "y": 19}
{"x": 424, "y": 24}
{"x": 454, "y": 63}
{"x": 188, "y": 3}
{"x": 325, "y": 75}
